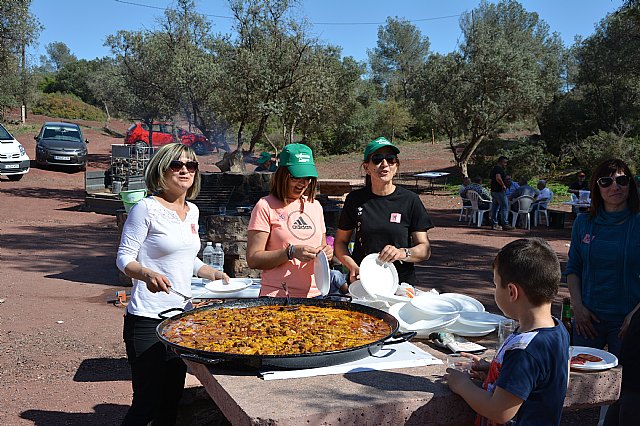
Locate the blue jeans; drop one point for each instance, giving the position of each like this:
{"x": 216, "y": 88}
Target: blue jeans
{"x": 499, "y": 202}
{"x": 607, "y": 334}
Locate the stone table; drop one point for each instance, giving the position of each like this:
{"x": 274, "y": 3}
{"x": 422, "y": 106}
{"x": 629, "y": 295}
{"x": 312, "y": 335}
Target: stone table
{"x": 408, "y": 396}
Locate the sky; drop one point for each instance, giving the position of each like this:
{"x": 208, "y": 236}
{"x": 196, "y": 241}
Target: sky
{"x": 83, "y": 25}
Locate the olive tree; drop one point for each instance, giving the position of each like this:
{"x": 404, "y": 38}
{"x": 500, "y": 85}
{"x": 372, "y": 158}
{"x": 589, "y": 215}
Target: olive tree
{"x": 508, "y": 67}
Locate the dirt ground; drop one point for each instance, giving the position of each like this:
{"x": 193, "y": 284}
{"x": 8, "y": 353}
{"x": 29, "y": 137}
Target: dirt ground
{"x": 62, "y": 360}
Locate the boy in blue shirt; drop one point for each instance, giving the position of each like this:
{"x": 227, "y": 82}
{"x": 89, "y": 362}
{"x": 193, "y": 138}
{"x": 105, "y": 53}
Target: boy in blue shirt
{"x": 526, "y": 381}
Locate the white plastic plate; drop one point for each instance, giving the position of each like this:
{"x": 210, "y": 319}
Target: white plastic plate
{"x": 478, "y": 319}
{"x": 402, "y": 312}
{"x": 434, "y": 304}
{"x": 321, "y": 273}
{"x": 469, "y": 304}
{"x": 378, "y": 277}
{"x": 609, "y": 360}
{"x": 235, "y": 284}
{"x": 465, "y": 330}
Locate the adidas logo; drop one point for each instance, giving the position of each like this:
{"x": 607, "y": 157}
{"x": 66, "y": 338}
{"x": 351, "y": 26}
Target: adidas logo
{"x": 301, "y": 224}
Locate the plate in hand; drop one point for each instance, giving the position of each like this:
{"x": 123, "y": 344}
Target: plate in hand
{"x": 378, "y": 277}
{"x": 235, "y": 284}
{"x": 321, "y": 273}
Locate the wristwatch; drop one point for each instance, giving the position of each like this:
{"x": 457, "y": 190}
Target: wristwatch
{"x": 407, "y": 252}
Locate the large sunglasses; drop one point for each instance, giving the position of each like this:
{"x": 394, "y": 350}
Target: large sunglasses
{"x": 377, "y": 158}
{"x": 177, "y": 165}
{"x": 607, "y": 181}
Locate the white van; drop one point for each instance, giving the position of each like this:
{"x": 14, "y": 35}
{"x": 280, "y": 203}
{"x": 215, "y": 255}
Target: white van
{"x": 14, "y": 161}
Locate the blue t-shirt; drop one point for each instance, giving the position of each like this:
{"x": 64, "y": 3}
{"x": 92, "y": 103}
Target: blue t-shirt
{"x": 533, "y": 366}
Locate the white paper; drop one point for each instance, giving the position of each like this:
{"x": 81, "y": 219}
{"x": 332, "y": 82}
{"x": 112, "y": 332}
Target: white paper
{"x": 390, "y": 357}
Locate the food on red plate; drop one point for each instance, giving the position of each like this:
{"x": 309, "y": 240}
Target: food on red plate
{"x": 580, "y": 359}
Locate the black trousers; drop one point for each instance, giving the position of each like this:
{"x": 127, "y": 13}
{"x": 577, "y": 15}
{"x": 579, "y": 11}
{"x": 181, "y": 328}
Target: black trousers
{"x": 157, "y": 374}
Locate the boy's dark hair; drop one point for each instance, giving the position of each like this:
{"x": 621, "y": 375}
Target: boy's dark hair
{"x": 533, "y": 265}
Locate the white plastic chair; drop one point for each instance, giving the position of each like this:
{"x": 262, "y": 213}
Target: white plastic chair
{"x": 542, "y": 210}
{"x": 524, "y": 208}
{"x": 477, "y": 213}
{"x": 465, "y": 209}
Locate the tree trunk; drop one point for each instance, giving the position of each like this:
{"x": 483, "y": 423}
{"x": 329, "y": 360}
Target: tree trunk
{"x": 468, "y": 152}
{"x": 258, "y": 133}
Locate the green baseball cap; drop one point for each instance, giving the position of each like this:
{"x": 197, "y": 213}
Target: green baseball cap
{"x": 298, "y": 158}
{"x": 264, "y": 157}
{"x": 375, "y": 145}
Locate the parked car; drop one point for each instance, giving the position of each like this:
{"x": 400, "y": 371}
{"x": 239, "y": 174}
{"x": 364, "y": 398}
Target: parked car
{"x": 61, "y": 144}
{"x": 164, "y": 133}
{"x": 14, "y": 161}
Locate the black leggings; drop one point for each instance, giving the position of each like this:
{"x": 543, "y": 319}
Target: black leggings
{"x": 157, "y": 374}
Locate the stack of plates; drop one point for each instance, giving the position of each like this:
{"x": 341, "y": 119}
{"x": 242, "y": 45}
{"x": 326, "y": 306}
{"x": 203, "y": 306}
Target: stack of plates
{"x": 452, "y": 312}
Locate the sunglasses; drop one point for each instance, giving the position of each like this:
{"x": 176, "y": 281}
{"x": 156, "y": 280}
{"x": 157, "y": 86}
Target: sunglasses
{"x": 300, "y": 179}
{"x": 607, "y": 181}
{"x": 377, "y": 158}
{"x": 177, "y": 165}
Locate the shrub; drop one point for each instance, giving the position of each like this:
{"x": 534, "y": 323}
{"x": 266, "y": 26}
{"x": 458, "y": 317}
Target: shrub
{"x": 66, "y": 106}
{"x": 589, "y": 152}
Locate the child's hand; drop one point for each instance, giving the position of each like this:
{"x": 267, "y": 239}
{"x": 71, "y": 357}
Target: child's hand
{"x": 456, "y": 379}
{"x": 479, "y": 367}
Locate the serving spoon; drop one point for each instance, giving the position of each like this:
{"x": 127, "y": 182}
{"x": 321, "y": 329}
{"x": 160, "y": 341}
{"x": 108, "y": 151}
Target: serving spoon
{"x": 186, "y": 299}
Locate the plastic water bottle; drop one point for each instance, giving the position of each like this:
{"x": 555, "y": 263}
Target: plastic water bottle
{"x": 207, "y": 258}
{"x": 218, "y": 257}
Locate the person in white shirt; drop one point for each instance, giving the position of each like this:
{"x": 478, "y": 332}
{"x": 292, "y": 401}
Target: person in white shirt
{"x": 158, "y": 250}
{"x": 543, "y": 196}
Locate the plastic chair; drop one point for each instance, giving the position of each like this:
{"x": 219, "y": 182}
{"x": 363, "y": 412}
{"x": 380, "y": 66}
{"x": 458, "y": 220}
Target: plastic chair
{"x": 465, "y": 209}
{"x": 542, "y": 210}
{"x": 524, "y": 208}
{"x": 477, "y": 213}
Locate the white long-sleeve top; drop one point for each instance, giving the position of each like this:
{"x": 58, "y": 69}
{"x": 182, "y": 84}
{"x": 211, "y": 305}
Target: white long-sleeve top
{"x": 158, "y": 239}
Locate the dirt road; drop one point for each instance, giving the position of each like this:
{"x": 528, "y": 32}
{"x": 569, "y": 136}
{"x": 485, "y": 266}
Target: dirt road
{"x": 62, "y": 358}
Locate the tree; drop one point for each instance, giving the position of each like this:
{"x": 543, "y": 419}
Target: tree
{"x": 18, "y": 29}
{"x": 58, "y": 55}
{"x": 400, "y": 52}
{"x": 508, "y": 68}
{"x": 144, "y": 87}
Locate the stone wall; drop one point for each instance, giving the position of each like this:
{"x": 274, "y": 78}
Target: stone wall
{"x": 231, "y": 232}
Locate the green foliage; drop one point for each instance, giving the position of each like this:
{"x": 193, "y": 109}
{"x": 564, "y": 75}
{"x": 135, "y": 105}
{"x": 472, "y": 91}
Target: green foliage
{"x": 66, "y": 106}
{"x": 590, "y": 152}
{"x": 401, "y": 50}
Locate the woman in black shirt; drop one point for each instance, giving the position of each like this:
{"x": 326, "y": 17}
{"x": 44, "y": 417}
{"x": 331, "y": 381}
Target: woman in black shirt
{"x": 386, "y": 218}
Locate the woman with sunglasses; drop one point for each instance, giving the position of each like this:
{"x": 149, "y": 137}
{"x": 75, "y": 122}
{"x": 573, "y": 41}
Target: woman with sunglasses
{"x": 287, "y": 230}
{"x": 387, "y": 219}
{"x": 158, "y": 249}
{"x": 603, "y": 272}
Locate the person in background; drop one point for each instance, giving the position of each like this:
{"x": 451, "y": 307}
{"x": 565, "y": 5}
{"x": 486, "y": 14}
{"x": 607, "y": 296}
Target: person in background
{"x": 511, "y": 186}
{"x": 387, "y": 219}
{"x": 527, "y": 378}
{"x": 338, "y": 284}
{"x": 580, "y": 184}
{"x": 466, "y": 182}
{"x": 603, "y": 272}
{"x": 477, "y": 186}
{"x": 266, "y": 163}
{"x": 523, "y": 189}
{"x": 158, "y": 250}
{"x": 543, "y": 196}
{"x": 287, "y": 230}
{"x": 499, "y": 201}
{"x": 623, "y": 411}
